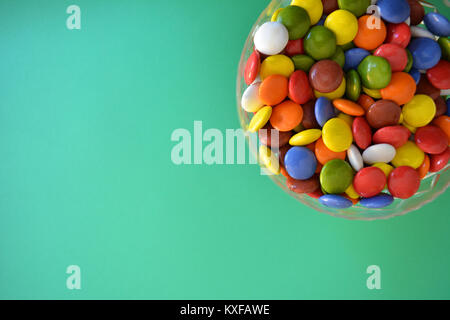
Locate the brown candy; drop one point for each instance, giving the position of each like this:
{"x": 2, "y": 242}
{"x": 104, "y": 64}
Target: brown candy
{"x": 265, "y": 136}
{"x": 329, "y": 6}
{"x": 326, "y": 76}
{"x": 309, "y": 118}
{"x": 441, "y": 106}
{"x": 417, "y": 12}
{"x": 303, "y": 186}
{"x": 282, "y": 153}
{"x": 383, "y": 113}
{"x": 425, "y": 87}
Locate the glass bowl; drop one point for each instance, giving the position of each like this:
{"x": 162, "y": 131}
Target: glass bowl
{"x": 431, "y": 187}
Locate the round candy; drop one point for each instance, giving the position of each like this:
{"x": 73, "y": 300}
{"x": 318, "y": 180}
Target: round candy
{"x": 396, "y": 136}
{"x": 252, "y": 67}
{"x": 335, "y": 201}
{"x": 441, "y": 107}
{"x": 250, "y": 101}
{"x": 336, "y": 176}
{"x": 401, "y": 89}
{"x": 394, "y": 54}
{"x": 313, "y": 7}
{"x": 309, "y": 118}
{"x": 444, "y": 43}
{"x": 424, "y": 167}
{"x": 300, "y": 163}
{"x": 439, "y": 161}
{"x": 278, "y": 64}
{"x": 379, "y": 153}
{"x": 296, "y": 20}
{"x": 386, "y": 168}
{"x": 339, "y": 56}
{"x": 323, "y": 154}
{"x": 279, "y": 140}
{"x": 437, "y": 24}
{"x": 299, "y": 89}
{"x": 303, "y": 62}
{"x": 351, "y": 193}
{"x": 338, "y": 93}
{"x": 369, "y": 182}
{"x": 329, "y": 6}
{"x": 383, "y": 113}
{"x": 355, "y": 158}
{"x": 348, "y": 119}
{"x": 409, "y": 155}
{"x": 426, "y": 88}
{"x": 349, "y": 107}
{"x": 419, "y": 111}
{"x": 357, "y": 7}
{"x": 271, "y": 38}
{"x": 426, "y": 53}
{"x": 439, "y": 75}
{"x": 375, "y": 72}
{"x": 353, "y": 90}
{"x": 294, "y": 47}
{"x": 361, "y": 132}
{"x": 417, "y": 12}
{"x": 326, "y": 76}
{"x": 273, "y": 90}
{"x": 443, "y": 122}
{"x": 305, "y": 137}
{"x": 371, "y": 32}
{"x": 303, "y": 186}
{"x": 398, "y": 34}
{"x": 403, "y": 182}
{"x": 324, "y": 111}
{"x": 431, "y": 139}
{"x": 344, "y": 24}
{"x": 380, "y": 201}
{"x": 365, "y": 101}
{"x": 260, "y": 119}
{"x": 320, "y": 43}
{"x": 337, "y": 135}
{"x": 286, "y": 116}
{"x": 415, "y": 74}
{"x": 394, "y": 11}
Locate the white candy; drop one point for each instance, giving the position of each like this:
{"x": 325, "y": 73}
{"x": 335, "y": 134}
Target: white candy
{"x": 271, "y": 38}
{"x": 408, "y": 21}
{"x": 379, "y": 153}
{"x": 355, "y": 158}
{"x": 250, "y": 99}
{"x": 417, "y": 32}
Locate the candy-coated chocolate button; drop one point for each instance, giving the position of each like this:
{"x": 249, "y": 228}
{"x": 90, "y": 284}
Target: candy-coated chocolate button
{"x": 252, "y": 67}
{"x": 416, "y": 75}
{"x": 271, "y": 137}
{"x": 309, "y": 118}
{"x": 294, "y": 47}
{"x": 431, "y": 139}
{"x": 300, "y": 163}
{"x": 441, "y": 107}
{"x": 286, "y": 116}
{"x": 419, "y": 111}
{"x": 380, "y": 201}
{"x": 303, "y": 62}
{"x": 396, "y": 136}
{"x": 386, "y": 168}
{"x": 278, "y": 64}
{"x": 349, "y": 107}
{"x": 439, "y": 161}
{"x": 335, "y": 201}
{"x": 424, "y": 167}
{"x": 426, "y": 53}
{"x": 337, "y": 135}
{"x": 344, "y": 24}
{"x": 250, "y": 101}
{"x": 410, "y": 61}
{"x": 394, "y": 11}
{"x": 305, "y": 137}
{"x": 274, "y": 89}
{"x": 437, "y": 24}
{"x": 394, "y": 54}
{"x": 269, "y": 160}
{"x": 271, "y": 38}
{"x": 320, "y": 43}
{"x": 296, "y": 20}
{"x": 358, "y": 8}
{"x": 373, "y": 93}
{"x": 339, "y": 56}
{"x": 351, "y": 193}
{"x": 369, "y": 182}
{"x": 383, "y": 113}
{"x": 326, "y": 76}
{"x": 303, "y": 186}
{"x": 338, "y": 93}
{"x": 348, "y": 119}
{"x": 355, "y": 158}
{"x": 444, "y": 43}
{"x": 379, "y": 153}
{"x": 375, "y": 72}
{"x": 365, "y": 101}
{"x": 313, "y": 7}
{"x": 403, "y": 182}
{"x": 417, "y": 12}
{"x": 408, "y": 155}
{"x": 336, "y": 176}
{"x": 361, "y": 132}
{"x": 426, "y": 88}
{"x": 324, "y": 111}
{"x": 439, "y": 75}
{"x": 399, "y": 34}
{"x": 353, "y": 90}
{"x": 260, "y": 119}
{"x": 299, "y": 89}
{"x": 329, "y": 6}
{"x": 323, "y": 154}
{"x": 401, "y": 89}
{"x": 443, "y": 122}
{"x": 353, "y": 58}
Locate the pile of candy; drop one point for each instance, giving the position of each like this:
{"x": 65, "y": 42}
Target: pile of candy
{"x": 357, "y": 102}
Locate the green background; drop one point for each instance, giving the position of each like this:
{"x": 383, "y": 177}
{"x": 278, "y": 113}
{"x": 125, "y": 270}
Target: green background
{"x": 86, "y": 176}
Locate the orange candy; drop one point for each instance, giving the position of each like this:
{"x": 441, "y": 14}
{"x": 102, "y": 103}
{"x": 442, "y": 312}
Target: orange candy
{"x": 424, "y": 167}
{"x": 365, "y": 101}
{"x": 274, "y": 89}
{"x": 349, "y": 107}
{"x": 443, "y": 122}
{"x": 319, "y": 167}
{"x": 401, "y": 89}
{"x": 370, "y": 39}
{"x": 286, "y": 116}
{"x": 323, "y": 154}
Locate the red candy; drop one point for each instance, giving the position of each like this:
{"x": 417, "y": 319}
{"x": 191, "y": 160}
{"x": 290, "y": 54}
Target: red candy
{"x": 396, "y": 136}
{"x": 439, "y": 75}
{"x": 294, "y": 47}
{"x": 303, "y": 186}
{"x": 299, "y": 89}
{"x": 399, "y": 34}
{"x": 252, "y": 67}
{"x": 362, "y": 132}
{"x": 403, "y": 182}
{"x": 439, "y": 161}
{"x": 396, "y": 55}
{"x": 369, "y": 182}
{"x": 431, "y": 139}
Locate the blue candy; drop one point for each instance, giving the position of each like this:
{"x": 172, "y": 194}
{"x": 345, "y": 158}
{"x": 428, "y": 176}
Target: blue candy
{"x": 425, "y": 52}
{"x": 321, "y": 21}
{"x": 380, "y": 201}
{"x": 353, "y": 58}
{"x": 394, "y": 11}
{"x": 300, "y": 163}
{"x": 437, "y": 24}
{"x": 323, "y": 110}
{"x": 448, "y": 107}
{"x": 415, "y": 74}
{"x": 335, "y": 201}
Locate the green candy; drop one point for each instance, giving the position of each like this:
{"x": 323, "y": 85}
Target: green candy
{"x": 336, "y": 176}
{"x": 444, "y": 43}
{"x": 303, "y": 62}
{"x": 296, "y": 20}
{"x": 353, "y": 89}
{"x": 357, "y": 7}
{"x": 410, "y": 61}
{"x": 348, "y": 46}
{"x": 320, "y": 43}
{"x": 339, "y": 57}
{"x": 375, "y": 72}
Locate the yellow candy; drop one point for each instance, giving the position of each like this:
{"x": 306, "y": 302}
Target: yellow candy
{"x": 275, "y": 15}
{"x": 386, "y": 168}
{"x": 313, "y": 7}
{"x": 351, "y": 192}
{"x": 348, "y": 119}
{"x": 409, "y": 155}
{"x": 400, "y": 121}
{"x": 305, "y": 137}
{"x": 420, "y": 111}
{"x": 278, "y": 64}
{"x": 344, "y": 25}
{"x": 374, "y": 93}
{"x": 337, "y": 135}
{"x": 410, "y": 128}
{"x": 260, "y": 119}
{"x": 338, "y": 93}
{"x": 269, "y": 160}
